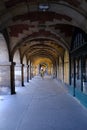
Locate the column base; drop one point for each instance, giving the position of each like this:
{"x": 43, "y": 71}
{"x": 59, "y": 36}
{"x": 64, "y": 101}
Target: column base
{"x": 13, "y": 93}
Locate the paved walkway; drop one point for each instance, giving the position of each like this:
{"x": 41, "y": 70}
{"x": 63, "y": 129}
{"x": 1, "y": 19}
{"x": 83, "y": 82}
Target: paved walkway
{"x": 42, "y": 105}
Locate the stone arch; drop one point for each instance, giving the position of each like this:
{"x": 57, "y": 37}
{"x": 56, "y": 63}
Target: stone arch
{"x": 24, "y": 60}
{"x": 39, "y": 35}
{"x": 4, "y": 66}
{"x": 16, "y": 59}
{"x": 44, "y": 66}
{"x": 66, "y": 67}
{"x": 4, "y": 55}
{"x": 29, "y": 62}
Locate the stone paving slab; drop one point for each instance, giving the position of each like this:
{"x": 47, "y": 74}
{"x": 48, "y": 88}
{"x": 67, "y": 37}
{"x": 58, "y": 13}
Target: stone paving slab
{"x": 43, "y": 104}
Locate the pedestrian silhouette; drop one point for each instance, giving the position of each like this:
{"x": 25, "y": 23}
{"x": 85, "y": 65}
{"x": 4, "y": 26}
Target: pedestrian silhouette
{"x": 42, "y": 73}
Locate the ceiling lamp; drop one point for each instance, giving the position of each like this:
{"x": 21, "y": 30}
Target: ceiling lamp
{"x": 43, "y": 7}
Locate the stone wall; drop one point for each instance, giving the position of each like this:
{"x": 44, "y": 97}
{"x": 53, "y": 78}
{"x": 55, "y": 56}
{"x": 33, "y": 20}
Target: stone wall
{"x": 5, "y": 83}
{"x": 18, "y": 75}
{"x": 66, "y": 67}
{"x": 25, "y": 73}
{"x": 25, "y": 68}
{"x": 66, "y": 72}
{"x": 60, "y": 75}
{"x": 5, "y": 76}
{"x": 16, "y": 59}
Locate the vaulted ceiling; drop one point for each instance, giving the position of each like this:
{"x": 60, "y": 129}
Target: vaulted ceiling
{"x": 38, "y": 32}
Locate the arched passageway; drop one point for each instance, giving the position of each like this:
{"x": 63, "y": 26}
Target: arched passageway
{"x": 42, "y": 63}
{"x": 49, "y": 35}
{"x": 31, "y": 32}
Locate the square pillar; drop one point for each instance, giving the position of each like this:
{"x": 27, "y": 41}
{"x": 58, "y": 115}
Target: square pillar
{"x": 28, "y": 73}
{"x": 70, "y": 60}
{"x": 12, "y": 75}
{"x": 74, "y": 62}
{"x": 22, "y": 74}
{"x": 82, "y": 71}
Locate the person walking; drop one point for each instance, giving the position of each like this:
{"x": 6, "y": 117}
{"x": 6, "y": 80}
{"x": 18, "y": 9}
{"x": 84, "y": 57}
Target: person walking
{"x": 42, "y": 73}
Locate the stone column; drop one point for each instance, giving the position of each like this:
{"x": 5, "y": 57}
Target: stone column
{"x": 63, "y": 68}
{"x": 28, "y": 73}
{"x": 82, "y": 71}
{"x": 22, "y": 74}
{"x": 70, "y": 60}
{"x": 74, "y": 62}
{"x": 12, "y": 75}
{"x": 57, "y": 68}
{"x": 78, "y": 68}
